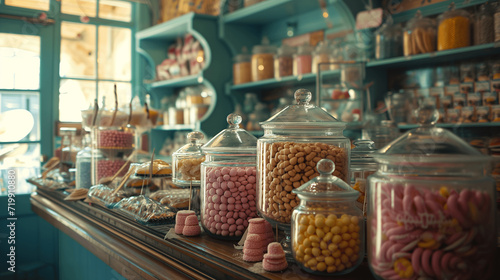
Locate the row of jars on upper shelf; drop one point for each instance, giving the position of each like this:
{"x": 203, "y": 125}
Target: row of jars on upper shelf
{"x": 450, "y": 30}
{"x": 267, "y": 61}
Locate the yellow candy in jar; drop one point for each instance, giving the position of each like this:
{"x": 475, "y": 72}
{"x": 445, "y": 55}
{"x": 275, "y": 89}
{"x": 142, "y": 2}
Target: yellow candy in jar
{"x": 332, "y": 251}
{"x": 454, "y": 32}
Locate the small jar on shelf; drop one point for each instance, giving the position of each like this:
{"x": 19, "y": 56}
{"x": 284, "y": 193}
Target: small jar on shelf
{"x": 419, "y": 35}
{"x": 283, "y": 61}
{"x": 484, "y": 32}
{"x": 389, "y": 40}
{"x": 321, "y": 54}
{"x": 302, "y": 61}
{"x": 262, "y": 61}
{"x": 454, "y": 29}
{"x": 242, "y": 68}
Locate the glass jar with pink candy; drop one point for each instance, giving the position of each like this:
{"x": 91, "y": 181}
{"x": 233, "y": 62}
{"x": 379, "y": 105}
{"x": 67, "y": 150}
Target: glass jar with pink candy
{"x": 228, "y": 181}
{"x": 431, "y": 208}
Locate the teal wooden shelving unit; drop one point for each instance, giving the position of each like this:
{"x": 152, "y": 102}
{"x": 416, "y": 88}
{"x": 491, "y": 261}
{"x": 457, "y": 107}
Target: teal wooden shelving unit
{"x": 153, "y": 42}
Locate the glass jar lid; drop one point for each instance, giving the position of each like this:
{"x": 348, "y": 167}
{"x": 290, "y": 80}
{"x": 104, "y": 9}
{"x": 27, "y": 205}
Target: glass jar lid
{"x": 232, "y": 140}
{"x": 362, "y": 153}
{"x": 244, "y": 56}
{"x": 285, "y": 50}
{"x": 429, "y": 144}
{"x": 326, "y": 186}
{"x": 193, "y": 146}
{"x": 419, "y": 21}
{"x": 264, "y": 47}
{"x": 303, "y": 116}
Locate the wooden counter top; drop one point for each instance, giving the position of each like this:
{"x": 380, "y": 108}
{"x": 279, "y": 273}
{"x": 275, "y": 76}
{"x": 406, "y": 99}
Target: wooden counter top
{"x": 140, "y": 251}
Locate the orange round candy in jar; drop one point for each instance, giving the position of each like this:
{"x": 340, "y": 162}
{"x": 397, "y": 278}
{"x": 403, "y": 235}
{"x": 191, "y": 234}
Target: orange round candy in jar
{"x": 454, "y": 30}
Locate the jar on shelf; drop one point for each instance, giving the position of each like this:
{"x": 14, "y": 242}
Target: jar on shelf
{"x": 327, "y": 216}
{"x": 241, "y": 68}
{"x": 362, "y": 166}
{"x": 198, "y": 99}
{"x": 302, "y": 60}
{"x": 294, "y": 141}
{"x": 228, "y": 181}
{"x": 454, "y": 29}
{"x": 283, "y": 61}
{"x": 431, "y": 208}
{"x": 496, "y": 22}
{"x": 83, "y": 177}
{"x": 322, "y": 54}
{"x": 389, "y": 40}
{"x": 484, "y": 32}
{"x": 186, "y": 161}
{"x": 419, "y": 35}
{"x": 263, "y": 61}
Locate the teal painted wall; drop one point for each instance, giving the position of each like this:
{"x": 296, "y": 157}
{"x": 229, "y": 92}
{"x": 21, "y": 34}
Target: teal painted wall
{"x": 77, "y": 263}
{"x": 36, "y": 242}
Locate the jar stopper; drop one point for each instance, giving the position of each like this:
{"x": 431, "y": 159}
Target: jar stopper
{"x": 234, "y": 120}
{"x": 427, "y": 114}
{"x": 195, "y": 137}
{"x": 302, "y": 96}
{"x": 325, "y": 167}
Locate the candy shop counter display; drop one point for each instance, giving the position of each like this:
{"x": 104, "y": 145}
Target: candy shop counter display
{"x": 148, "y": 251}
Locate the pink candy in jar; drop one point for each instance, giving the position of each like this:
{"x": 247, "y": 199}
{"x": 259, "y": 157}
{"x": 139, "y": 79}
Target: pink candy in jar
{"x": 431, "y": 212}
{"x": 228, "y": 181}
{"x": 229, "y": 200}
{"x": 116, "y": 139}
{"x": 441, "y": 233}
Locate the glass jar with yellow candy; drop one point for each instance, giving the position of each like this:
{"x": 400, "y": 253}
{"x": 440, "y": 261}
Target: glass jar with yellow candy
{"x": 454, "y": 29}
{"x": 327, "y": 228}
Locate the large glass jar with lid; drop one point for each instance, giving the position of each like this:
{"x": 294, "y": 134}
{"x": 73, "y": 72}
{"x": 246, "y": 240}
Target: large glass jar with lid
{"x": 186, "y": 161}
{"x": 327, "y": 226}
{"x": 241, "y": 68}
{"x": 454, "y": 29}
{"x": 419, "y": 35}
{"x": 294, "y": 141}
{"x": 431, "y": 209}
{"x": 228, "y": 181}
{"x": 389, "y": 40}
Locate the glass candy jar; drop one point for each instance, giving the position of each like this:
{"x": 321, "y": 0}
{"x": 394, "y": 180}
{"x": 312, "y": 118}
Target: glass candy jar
{"x": 186, "y": 161}
{"x": 431, "y": 207}
{"x": 228, "y": 181}
{"x": 362, "y": 166}
{"x": 327, "y": 216}
{"x": 419, "y": 35}
{"x": 262, "y": 61}
{"x": 294, "y": 140}
{"x": 454, "y": 30}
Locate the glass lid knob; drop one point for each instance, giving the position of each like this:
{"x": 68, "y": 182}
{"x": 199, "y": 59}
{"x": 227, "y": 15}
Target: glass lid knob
{"x": 325, "y": 167}
{"x": 364, "y": 143}
{"x": 302, "y": 96}
{"x": 234, "y": 120}
{"x": 427, "y": 114}
{"x": 195, "y": 136}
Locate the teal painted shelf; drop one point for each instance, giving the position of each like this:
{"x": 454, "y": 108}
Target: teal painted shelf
{"x": 285, "y": 81}
{"x": 269, "y": 11}
{"x": 435, "y": 9}
{"x": 172, "y": 29}
{"x": 437, "y": 57}
{"x": 453, "y": 125}
{"x": 178, "y": 82}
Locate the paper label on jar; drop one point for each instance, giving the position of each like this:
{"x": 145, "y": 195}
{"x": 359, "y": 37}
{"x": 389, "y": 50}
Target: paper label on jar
{"x": 466, "y": 87}
{"x": 369, "y": 19}
{"x": 451, "y": 89}
{"x": 482, "y": 86}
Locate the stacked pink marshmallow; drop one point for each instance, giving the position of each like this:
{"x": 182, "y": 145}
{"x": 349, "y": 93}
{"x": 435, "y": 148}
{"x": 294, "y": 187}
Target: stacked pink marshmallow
{"x": 115, "y": 139}
{"x": 108, "y": 168}
{"x": 191, "y": 226}
{"x": 424, "y": 233}
{"x": 262, "y": 228}
{"x": 253, "y": 249}
{"x": 229, "y": 200}
{"x": 181, "y": 221}
{"x": 275, "y": 259}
